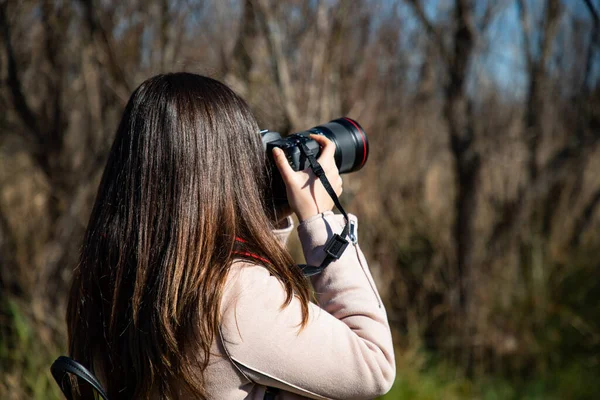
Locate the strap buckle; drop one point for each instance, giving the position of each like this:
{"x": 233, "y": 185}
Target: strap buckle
{"x": 352, "y": 234}
{"x": 335, "y": 246}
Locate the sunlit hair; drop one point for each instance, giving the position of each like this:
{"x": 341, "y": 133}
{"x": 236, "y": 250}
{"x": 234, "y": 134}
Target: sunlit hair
{"x": 185, "y": 176}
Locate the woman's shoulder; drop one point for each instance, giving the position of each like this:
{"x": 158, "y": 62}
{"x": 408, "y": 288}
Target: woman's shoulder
{"x": 251, "y": 282}
{"x": 247, "y": 277}
{"x": 243, "y": 271}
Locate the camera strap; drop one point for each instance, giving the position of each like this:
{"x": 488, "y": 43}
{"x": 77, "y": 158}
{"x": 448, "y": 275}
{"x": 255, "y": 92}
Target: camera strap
{"x": 64, "y": 366}
{"x": 334, "y": 248}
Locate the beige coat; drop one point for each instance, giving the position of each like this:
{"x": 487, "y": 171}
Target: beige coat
{"x": 344, "y": 352}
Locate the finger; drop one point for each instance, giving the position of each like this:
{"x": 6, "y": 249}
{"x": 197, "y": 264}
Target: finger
{"x": 286, "y": 171}
{"x": 327, "y": 147}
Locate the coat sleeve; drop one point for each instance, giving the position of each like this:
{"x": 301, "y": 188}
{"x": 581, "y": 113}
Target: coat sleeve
{"x": 283, "y": 234}
{"x": 344, "y": 352}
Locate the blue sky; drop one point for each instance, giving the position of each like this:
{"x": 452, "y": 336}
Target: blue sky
{"x": 500, "y": 58}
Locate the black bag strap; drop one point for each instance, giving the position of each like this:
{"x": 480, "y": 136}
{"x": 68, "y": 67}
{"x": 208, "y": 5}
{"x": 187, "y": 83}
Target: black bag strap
{"x": 335, "y": 247}
{"x": 63, "y": 366}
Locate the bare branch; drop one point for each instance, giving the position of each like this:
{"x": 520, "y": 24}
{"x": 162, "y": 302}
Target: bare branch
{"x": 592, "y": 46}
{"x": 272, "y": 33}
{"x": 434, "y": 33}
{"x": 22, "y": 107}
{"x": 593, "y": 12}
{"x": 585, "y": 219}
{"x": 318, "y": 60}
{"x": 524, "y": 17}
{"x": 240, "y": 63}
{"x": 307, "y": 15}
{"x": 551, "y": 24}
{"x": 558, "y": 168}
{"x": 99, "y": 35}
{"x": 54, "y": 136}
{"x": 492, "y": 10}
{"x": 536, "y": 69}
{"x": 9, "y": 281}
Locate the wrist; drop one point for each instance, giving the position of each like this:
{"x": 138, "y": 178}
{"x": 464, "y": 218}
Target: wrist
{"x": 302, "y": 218}
{"x": 308, "y": 214}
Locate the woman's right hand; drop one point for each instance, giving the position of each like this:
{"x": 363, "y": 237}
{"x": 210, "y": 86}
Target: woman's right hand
{"x": 305, "y": 192}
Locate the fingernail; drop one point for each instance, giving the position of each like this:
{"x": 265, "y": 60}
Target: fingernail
{"x": 277, "y": 151}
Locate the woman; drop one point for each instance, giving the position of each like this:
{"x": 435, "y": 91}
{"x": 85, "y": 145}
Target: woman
{"x": 184, "y": 289}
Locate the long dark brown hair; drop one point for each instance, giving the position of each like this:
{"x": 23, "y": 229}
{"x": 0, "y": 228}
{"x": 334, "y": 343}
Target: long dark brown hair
{"x": 185, "y": 176}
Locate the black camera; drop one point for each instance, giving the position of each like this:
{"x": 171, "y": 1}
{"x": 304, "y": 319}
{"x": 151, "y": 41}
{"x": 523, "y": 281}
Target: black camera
{"x": 351, "y": 150}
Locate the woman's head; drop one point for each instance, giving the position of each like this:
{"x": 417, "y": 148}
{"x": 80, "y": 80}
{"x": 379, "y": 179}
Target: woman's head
{"x": 185, "y": 176}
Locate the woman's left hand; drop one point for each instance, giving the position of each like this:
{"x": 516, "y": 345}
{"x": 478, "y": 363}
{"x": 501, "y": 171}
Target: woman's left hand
{"x": 305, "y": 192}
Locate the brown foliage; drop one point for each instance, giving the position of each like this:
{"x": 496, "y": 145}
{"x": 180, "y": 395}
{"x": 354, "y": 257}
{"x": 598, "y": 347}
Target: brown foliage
{"x": 480, "y": 199}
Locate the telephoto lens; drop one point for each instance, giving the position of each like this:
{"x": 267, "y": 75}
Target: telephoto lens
{"x": 351, "y": 144}
{"x": 351, "y": 150}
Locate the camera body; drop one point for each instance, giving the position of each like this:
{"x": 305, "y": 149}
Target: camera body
{"x": 352, "y": 150}
{"x": 291, "y": 147}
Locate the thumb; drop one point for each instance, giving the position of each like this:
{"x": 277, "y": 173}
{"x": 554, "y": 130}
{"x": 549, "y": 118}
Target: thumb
{"x": 286, "y": 171}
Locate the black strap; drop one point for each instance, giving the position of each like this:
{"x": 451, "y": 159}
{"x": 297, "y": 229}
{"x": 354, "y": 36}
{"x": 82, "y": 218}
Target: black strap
{"x": 63, "y": 366}
{"x": 335, "y": 247}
